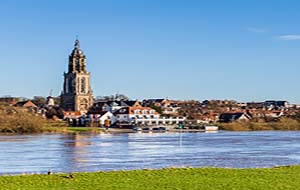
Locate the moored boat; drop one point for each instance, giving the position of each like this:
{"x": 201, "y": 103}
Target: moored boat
{"x": 211, "y": 128}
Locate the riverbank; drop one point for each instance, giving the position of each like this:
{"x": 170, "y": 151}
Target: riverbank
{"x": 48, "y": 127}
{"x": 284, "y": 124}
{"x": 14, "y": 120}
{"x": 184, "y": 178}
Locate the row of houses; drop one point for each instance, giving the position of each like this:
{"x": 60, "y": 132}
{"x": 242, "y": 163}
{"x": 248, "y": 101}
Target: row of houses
{"x": 127, "y": 112}
{"x": 229, "y": 116}
{"x": 266, "y": 105}
{"x": 142, "y": 113}
{"x": 168, "y": 112}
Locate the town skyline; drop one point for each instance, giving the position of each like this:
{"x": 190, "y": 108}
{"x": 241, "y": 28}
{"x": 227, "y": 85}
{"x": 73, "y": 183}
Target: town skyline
{"x": 199, "y": 51}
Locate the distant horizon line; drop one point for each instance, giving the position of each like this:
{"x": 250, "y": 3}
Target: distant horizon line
{"x": 176, "y": 99}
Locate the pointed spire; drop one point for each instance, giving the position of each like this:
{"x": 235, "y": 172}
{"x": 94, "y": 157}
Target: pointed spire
{"x": 77, "y": 43}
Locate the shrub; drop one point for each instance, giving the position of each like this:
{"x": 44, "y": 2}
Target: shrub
{"x": 16, "y": 120}
{"x": 286, "y": 124}
{"x": 235, "y": 126}
{"x": 256, "y": 125}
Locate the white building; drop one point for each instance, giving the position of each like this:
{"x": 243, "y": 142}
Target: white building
{"x": 101, "y": 117}
{"x": 145, "y": 116}
{"x": 113, "y": 106}
{"x": 160, "y": 121}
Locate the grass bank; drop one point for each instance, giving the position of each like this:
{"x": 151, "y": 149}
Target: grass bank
{"x": 53, "y": 128}
{"x": 190, "y": 179}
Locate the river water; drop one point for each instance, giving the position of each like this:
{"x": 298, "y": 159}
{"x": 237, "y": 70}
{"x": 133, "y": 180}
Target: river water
{"x": 94, "y": 152}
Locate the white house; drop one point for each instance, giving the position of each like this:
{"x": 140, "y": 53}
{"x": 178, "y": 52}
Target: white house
{"x": 145, "y": 116}
{"x": 113, "y": 106}
{"x": 234, "y": 116}
{"x": 130, "y": 114}
{"x": 101, "y": 117}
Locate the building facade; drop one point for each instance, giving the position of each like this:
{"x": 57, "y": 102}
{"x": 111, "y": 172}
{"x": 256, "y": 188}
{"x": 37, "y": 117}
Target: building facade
{"x": 145, "y": 116}
{"x": 77, "y": 93}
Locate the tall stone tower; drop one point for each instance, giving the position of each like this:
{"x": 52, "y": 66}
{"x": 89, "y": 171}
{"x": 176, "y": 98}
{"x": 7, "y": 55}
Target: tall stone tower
{"x": 77, "y": 93}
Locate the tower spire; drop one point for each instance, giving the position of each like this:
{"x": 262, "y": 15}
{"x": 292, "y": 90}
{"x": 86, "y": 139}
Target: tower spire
{"x": 77, "y": 43}
{"x": 77, "y": 93}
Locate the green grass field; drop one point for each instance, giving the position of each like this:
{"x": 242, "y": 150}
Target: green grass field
{"x": 189, "y": 179}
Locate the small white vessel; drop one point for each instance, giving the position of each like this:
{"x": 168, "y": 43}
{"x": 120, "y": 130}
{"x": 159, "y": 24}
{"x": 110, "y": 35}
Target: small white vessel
{"x": 211, "y": 128}
{"x": 137, "y": 129}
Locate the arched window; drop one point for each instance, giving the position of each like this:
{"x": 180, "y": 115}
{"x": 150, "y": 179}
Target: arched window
{"x": 71, "y": 85}
{"x": 83, "y": 85}
{"x": 82, "y": 65}
{"x": 77, "y": 63}
{"x": 83, "y": 104}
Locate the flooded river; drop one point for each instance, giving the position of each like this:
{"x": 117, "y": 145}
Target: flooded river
{"x": 94, "y": 152}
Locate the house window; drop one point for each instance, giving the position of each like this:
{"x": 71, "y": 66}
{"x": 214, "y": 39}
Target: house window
{"x": 122, "y": 110}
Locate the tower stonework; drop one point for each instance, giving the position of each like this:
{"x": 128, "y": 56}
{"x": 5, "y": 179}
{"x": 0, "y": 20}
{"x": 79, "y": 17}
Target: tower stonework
{"x": 77, "y": 93}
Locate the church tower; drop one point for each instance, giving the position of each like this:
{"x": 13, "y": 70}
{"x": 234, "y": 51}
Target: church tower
{"x": 77, "y": 93}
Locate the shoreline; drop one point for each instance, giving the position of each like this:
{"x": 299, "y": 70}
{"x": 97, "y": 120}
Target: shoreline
{"x": 94, "y": 130}
{"x": 144, "y": 169}
{"x": 281, "y": 177}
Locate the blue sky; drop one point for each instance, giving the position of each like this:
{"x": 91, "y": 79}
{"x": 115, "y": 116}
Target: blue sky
{"x": 182, "y": 49}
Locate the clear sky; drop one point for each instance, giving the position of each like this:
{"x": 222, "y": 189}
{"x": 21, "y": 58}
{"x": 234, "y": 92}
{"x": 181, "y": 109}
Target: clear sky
{"x": 182, "y": 49}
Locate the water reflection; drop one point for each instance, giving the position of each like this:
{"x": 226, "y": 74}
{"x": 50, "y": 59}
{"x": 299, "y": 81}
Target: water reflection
{"x": 73, "y": 147}
{"x": 93, "y": 152}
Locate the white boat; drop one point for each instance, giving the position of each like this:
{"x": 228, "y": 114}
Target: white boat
{"x": 211, "y": 128}
{"x": 137, "y": 129}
